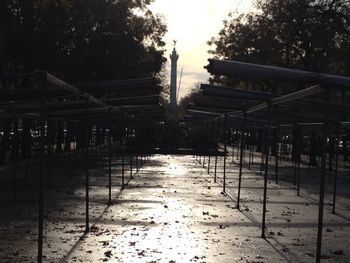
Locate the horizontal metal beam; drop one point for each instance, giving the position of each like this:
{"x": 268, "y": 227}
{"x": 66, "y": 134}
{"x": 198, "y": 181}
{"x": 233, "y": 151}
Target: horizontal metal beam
{"x": 118, "y": 84}
{"x": 192, "y": 106}
{"x": 230, "y": 92}
{"x": 219, "y": 102}
{"x": 34, "y": 106}
{"x": 130, "y": 109}
{"x": 286, "y": 98}
{"x": 252, "y": 71}
{"x": 203, "y": 113}
{"x": 296, "y": 95}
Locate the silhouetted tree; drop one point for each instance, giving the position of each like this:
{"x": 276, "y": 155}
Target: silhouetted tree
{"x": 81, "y": 40}
{"x": 305, "y": 34}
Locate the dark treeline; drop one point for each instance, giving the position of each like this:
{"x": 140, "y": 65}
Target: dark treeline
{"x": 311, "y": 35}
{"x": 77, "y": 41}
{"x": 81, "y": 40}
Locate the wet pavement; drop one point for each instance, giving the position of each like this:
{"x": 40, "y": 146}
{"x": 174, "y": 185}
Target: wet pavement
{"x": 172, "y": 211}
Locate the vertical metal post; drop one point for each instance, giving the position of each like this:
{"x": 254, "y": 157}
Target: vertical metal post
{"x": 209, "y": 164}
{"x": 225, "y": 152}
{"x": 298, "y": 178}
{"x": 335, "y": 169}
{"x": 216, "y": 153}
{"x": 28, "y": 153}
{"x": 131, "y": 165}
{"x": 242, "y": 144}
{"x": 262, "y": 153}
{"x": 295, "y": 172}
{"x": 123, "y": 170}
{"x": 298, "y": 156}
{"x": 110, "y": 161}
{"x": 49, "y": 151}
{"x": 267, "y": 146}
{"x": 250, "y": 153}
{"x": 323, "y": 174}
{"x": 15, "y": 158}
{"x": 42, "y": 174}
{"x": 250, "y": 157}
{"x": 87, "y": 179}
{"x": 233, "y": 150}
{"x": 122, "y": 137}
{"x": 277, "y": 154}
{"x": 238, "y": 151}
{"x": 244, "y": 152}
{"x": 50, "y": 155}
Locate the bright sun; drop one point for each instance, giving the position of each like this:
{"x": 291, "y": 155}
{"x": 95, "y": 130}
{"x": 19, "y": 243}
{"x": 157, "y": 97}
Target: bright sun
{"x": 192, "y": 23}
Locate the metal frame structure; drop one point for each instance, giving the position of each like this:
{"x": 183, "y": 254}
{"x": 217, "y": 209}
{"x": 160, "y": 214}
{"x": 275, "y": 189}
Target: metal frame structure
{"x": 46, "y": 98}
{"x": 270, "y": 112}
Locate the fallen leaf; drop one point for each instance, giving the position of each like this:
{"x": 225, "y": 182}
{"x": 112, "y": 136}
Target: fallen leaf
{"x": 108, "y": 253}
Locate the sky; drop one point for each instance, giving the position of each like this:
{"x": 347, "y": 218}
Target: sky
{"x": 192, "y": 23}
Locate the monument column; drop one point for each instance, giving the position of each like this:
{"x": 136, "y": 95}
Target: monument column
{"x": 173, "y": 80}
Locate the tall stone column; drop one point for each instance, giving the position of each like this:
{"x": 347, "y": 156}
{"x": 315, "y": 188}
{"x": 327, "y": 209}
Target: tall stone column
{"x": 174, "y": 57}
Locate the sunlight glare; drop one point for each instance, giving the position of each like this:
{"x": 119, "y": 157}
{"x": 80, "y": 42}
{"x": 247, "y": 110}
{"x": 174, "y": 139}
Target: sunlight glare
{"x": 192, "y": 23}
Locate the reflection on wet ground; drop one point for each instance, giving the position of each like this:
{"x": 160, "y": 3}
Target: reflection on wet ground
{"x": 172, "y": 211}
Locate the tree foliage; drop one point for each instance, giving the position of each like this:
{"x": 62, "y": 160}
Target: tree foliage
{"x": 304, "y": 34}
{"x": 81, "y": 39}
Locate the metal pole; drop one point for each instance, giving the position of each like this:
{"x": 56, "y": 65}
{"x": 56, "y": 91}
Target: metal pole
{"x": 298, "y": 156}
{"x": 323, "y": 175}
{"x": 110, "y": 163}
{"x": 237, "y": 152}
{"x": 262, "y": 154}
{"x": 123, "y": 171}
{"x": 209, "y": 164}
{"x": 277, "y": 154}
{"x": 28, "y": 153}
{"x": 244, "y": 153}
{"x": 336, "y": 169}
{"x": 250, "y": 156}
{"x": 42, "y": 174}
{"x": 87, "y": 182}
{"x": 233, "y": 150}
{"x": 267, "y": 146}
{"x": 15, "y": 159}
{"x": 216, "y": 153}
{"x": 49, "y": 151}
{"x": 242, "y": 144}
{"x": 122, "y": 135}
{"x": 262, "y": 167}
{"x": 225, "y": 151}
{"x": 131, "y": 165}
{"x": 298, "y": 178}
